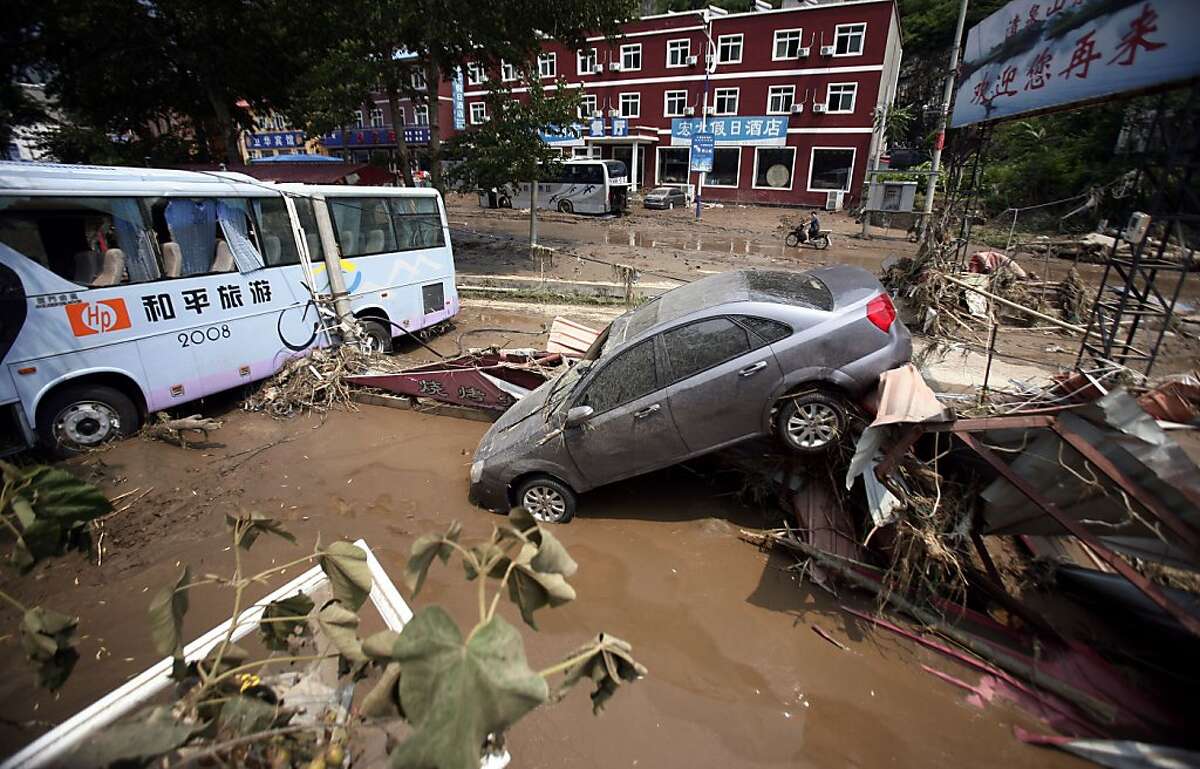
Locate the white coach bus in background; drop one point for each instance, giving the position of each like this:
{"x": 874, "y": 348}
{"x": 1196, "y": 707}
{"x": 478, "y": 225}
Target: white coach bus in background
{"x": 574, "y": 187}
{"x": 125, "y": 291}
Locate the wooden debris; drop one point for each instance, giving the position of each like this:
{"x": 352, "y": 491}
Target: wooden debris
{"x": 176, "y": 430}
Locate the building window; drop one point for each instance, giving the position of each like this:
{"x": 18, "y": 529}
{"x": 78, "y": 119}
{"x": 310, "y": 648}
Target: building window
{"x": 831, "y": 168}
{"x": 729, "y": 49}
{"x": 358, "y": 119}
{"x": 421, "y": 114}
{"x": 475, "y": 74}
{"x": 787, "y": 44}
{"x": 547, "y": 65}
{"x": 725, "y": 101}
{"x": 587, "y": 105}
{"x": 773, "y": 167}
{"x": 478, "y": 113}
{"x": 508, "y": 72}
{"x": 585, "y": 61}
{"x": 377, "y": 118}
{"x": 631, "y": 57}
{"x": 674, "y": 103}
{"x": 780, "y": 98}
{"x": 418, "y": 80}
{"x": 678, "y": 52}
{"x": 727, "y": 162}
{"x": 673, "y": 165}
{"x": 841, "y": 97}
{"x": 398, "y": 119}
{"x": 631, "y": 105}
{"x": 848, "y": 39}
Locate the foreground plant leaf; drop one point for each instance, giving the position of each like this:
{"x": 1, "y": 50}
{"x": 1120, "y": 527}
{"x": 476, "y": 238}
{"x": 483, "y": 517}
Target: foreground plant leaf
{"x": 383, "y": 701}
{"x": 454, "y": 693}
{"x": 152, "y": 732}
{"x": 52, "y": 507}
{"x": 242, "y": 715}
{"x": 340, "y": 626}
{"x": 381, "y": 646}
{"x": 254, "y": 524}
{"x": 46, "y": 636}
{"x": 166, "y": 616}
{"x": 609, "y": 662}
{"x": 275, "y": 635}
{"x": 55, "y": 493}
{"x": 423, "y": 552}
{"x": 552, "y": 557}
{"x": 349, "y": 576}
{"x": 531, "y": 589}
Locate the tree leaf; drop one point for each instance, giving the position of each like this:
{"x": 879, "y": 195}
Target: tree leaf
{"x": 166, "y": 616}
{"x": 552, "y": 557}
{"x": 487, "y": 551}
{"x": 455, "y": 694}
{"x": 55, "y": 493}
{"x": 152, "y": 732}
{"x": 46, "y": 636}
{"x": 609, "y": 663}
{"x": 531, "y": 589}
{"x": 423, "y": 552}
{"x": 254, "y": 524}
{"x": 383, "y": 701}
{"x": 276, "y": 635}
{"x": 242, "y": 715}
{"x": 381, "y": 646}
{"x": 349, "y": 576}
{"x": 340, "y": 626}
{"x": 24, "y": 511}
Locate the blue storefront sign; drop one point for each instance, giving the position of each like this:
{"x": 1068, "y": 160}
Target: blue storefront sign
{"x": 456, "y": 99}
{"x": 702, "y": 151}
{"x": 756, "y": 129}
{"x": 274, "y": 140}
{"x": 596, "y": 126}
{"x": 569, "y": 136}
{"x": 620, "y": 126}
{"x": 375, "y": 137}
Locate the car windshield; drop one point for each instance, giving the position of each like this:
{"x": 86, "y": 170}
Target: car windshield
{"x": 563, "y": 386}
{"x": 661, "y": 191}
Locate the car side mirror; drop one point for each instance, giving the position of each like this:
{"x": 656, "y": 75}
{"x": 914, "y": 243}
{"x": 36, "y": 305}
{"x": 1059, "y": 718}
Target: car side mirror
{"x": 578, "y": 415}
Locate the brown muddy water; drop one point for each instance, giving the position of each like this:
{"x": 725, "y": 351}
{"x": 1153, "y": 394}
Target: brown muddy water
{"x": 737, "y": 678}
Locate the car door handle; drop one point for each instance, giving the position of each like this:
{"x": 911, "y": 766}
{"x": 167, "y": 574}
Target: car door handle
{"x": 753, "y": 368}
{"x": 643, "y": 413}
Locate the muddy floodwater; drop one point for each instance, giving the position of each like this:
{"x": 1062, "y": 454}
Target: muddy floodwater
{"x": 737, "y": 676}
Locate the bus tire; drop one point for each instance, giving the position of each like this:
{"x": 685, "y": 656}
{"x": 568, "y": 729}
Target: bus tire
{"x": 565, "y": 207}
{"x": 377, "y": 336}
{"x": 77, "y": 418}
{"x": 505, "y": 201}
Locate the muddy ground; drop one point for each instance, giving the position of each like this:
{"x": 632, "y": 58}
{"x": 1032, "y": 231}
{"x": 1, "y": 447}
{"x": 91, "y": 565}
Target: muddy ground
{"x": 737, "y": 675}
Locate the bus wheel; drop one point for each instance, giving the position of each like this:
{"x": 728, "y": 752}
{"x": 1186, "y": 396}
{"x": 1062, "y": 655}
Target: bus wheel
{"x": 81, "y": 417}
{"x": 564, "y": 206}
{"x": 505, "y": 201}
{"x": 376, "y": 336}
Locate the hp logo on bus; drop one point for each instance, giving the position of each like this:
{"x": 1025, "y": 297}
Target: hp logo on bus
{"x": 100, "y": 317}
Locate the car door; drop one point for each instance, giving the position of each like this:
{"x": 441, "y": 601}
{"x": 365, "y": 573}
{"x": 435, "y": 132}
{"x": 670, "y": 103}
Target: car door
{"x": 720, "y": 376}
{"x": 631, "y": 430}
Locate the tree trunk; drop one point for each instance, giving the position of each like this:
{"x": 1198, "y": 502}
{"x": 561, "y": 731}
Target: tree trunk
{"x": 228, "y": 131}
{"x": 432, "y": 83}
{"x": 393, "y": 97}
{"x": 533, "y": 192}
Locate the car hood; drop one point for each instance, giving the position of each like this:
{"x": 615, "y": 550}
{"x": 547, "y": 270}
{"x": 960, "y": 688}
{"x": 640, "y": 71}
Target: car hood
{"x": 523, "y": 423}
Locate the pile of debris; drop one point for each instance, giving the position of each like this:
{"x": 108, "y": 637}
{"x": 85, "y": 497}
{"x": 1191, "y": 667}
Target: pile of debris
{"x": 316, "y": 382}
{"x": 1050, "y": 544}
{"x": 1095, "y": 248}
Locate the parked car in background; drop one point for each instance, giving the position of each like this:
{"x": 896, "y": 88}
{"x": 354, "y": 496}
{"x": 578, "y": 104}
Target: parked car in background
{"x": 665, "y": 197}
{"x": 712, "y": 363}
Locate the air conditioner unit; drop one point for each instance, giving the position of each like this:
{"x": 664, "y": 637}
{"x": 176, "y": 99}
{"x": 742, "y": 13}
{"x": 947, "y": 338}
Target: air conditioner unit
{"x": 827, "y": 50}
{"x": 615, "y": 66}
{"x": 597, "y": 69}
{"x": 689, "y": 110}
{"x": 818, "y": 108}
{"x": 797, "y": 109}
{"x": 614, "y": 113}
{"x": 833, "y": 200}
{"x": 597, "y": 113}
{"x": 691, "y": 61}
{"x": 802, "y": 53}
{"x": 710, "y": 110}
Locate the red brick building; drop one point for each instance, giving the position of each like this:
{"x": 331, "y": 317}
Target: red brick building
{"x": 792, "y": 95}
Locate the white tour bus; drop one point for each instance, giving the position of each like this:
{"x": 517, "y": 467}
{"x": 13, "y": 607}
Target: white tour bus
{"x": 580, "y": 187}
{"x": 124, "y": 291}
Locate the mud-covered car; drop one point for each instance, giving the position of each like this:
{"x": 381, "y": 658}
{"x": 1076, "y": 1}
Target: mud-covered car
{"x": 709, "y": 364}
{"x": 665, "y": 197}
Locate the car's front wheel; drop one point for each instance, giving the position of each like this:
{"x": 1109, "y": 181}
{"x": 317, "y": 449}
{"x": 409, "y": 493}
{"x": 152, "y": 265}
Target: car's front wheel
{"x": 811, "y": 422}
{"x": 547, "y": 500}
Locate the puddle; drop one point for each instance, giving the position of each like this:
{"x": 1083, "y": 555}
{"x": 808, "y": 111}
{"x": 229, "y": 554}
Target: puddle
{"x": 735, "y": 246}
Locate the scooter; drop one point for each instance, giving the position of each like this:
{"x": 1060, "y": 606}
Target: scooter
{"x": 799, "y": 236}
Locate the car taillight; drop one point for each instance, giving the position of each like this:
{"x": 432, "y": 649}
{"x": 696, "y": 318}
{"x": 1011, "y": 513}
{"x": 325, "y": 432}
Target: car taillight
{"x": 881, "y": 312}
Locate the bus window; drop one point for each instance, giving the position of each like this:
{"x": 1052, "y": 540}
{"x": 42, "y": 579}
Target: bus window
{"x": 308, "y": 223}
{"x": 418, "y": 224}
{"x": 275, "y": 231}
{"x": 89, "y": 241}
{"x": 364, "y": 225}
{"x": 205, "y": 236}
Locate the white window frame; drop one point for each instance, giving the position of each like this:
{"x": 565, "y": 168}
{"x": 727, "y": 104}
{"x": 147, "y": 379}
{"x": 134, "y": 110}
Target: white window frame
{"x": 687, "y": 52}
{"x": 723, "y": 39}
{"x": 812, "y": 153}
{"x": 791, "y": 176}
{"x": 737, "y": 182}
{"x": 377, "y": 117}
{"x": 552, "y": 58}
{"x": 637, "y": 96}
{"x": 584, "y": 56}
{"x": 631, "y": 49}
{"x": 657, "y": 165}
{"x": 837, "y": 32}
{"x": 481, "y": 117}
{"x": 418, "y": 80}
{"x": 773, "y": 91}
{"x": 359, "y": 119}
{"x": 737, "y": 98}
{"x": 853, "y": 98}
{"x": 587, "y": 99}
{"x": 667, "y": 111}
{"x": 775, "y": 43}
{"x": 420, "y": 114}
{"x": 508, "y": 72}
{"x": 476, "y": 74}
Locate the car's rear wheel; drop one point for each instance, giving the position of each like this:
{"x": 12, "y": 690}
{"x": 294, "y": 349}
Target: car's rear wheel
{"x": 811, "y": 422}
{"x": 547, "y": 500}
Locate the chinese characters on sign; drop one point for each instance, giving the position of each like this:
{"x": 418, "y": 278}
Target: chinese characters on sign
{"x": 1034, "y": 55}
{"x": 732, "y": 130}
{"x": 702, "y": 151}
{"x": 274, "y": 140}
{"x": 229, "y": 296}
{"x": 375, "y": 137}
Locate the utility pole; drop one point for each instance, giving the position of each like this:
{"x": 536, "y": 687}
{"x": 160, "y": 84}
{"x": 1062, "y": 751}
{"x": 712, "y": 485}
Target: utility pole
{"x": 947, "y": 95}
{"x": 710, "y": 60}
{"x": 333, "y": 269}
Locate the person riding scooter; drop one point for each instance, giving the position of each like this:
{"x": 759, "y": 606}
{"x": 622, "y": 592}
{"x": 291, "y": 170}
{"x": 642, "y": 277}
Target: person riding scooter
{"x": 814, "y": 228}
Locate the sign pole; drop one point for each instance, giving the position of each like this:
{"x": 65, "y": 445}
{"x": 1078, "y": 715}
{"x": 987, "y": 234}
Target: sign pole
{"x": 947, "y": 94}
{"x": 709, "y": 61}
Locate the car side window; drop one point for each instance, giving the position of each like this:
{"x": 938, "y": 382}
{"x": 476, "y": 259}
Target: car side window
{"x": 627, "y": 377}
{"x": 704, "y": 344}
{"x": 763, "y": 331}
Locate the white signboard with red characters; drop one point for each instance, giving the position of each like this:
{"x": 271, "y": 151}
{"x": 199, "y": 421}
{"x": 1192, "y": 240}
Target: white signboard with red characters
{"x": 1037, "y": 55}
